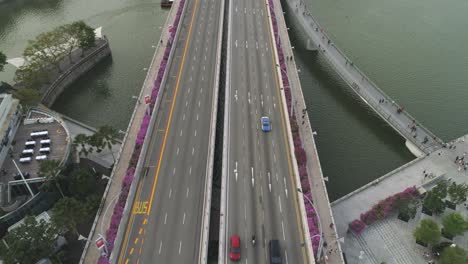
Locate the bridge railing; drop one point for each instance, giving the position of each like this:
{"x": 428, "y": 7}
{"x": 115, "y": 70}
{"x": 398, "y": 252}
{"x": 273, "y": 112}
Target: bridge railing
{"x": 425, "y": 147}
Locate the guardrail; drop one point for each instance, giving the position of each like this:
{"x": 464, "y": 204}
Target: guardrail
{"x": 52, "y": 87}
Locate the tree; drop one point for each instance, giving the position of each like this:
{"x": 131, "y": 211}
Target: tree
{"x": 82, "y": 182}
{"x": 454, "y": 224}
{"x": 91, "y": 206}
{"x": 3, "y": 61}
{"x": 47, "y": 47}
{"x": 86, "y": 36}
{"x": 109, "y": 137}
{"x": 457, "y": 192}
{"x": 453, "y": 255}
{"x": 28, "y": 97}
{"x": 30, "y": 242}
{"x": 434, "y": 203}
{"x": 96, "y": 141}
{"x": 50, "y": 169}
{"x": 82, "y": 141}
{"x": 428, "y": 232}
{"x": 67, "y": 212}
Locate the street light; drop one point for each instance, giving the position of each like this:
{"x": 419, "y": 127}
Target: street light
{"x": 319, "y": 250}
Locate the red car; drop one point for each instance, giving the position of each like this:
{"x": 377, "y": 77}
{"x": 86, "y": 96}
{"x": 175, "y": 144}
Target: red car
{"x": 234, "y": 253}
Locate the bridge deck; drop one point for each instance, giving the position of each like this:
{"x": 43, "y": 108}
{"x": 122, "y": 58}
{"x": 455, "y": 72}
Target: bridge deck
{"x": 389, "y": 110}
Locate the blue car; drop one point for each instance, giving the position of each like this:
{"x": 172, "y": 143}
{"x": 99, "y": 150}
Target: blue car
{"x": 266, "y": 124}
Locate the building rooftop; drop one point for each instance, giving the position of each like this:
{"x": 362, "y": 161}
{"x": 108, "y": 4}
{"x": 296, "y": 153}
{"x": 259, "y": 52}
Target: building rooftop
{"x": 58, "y": 146}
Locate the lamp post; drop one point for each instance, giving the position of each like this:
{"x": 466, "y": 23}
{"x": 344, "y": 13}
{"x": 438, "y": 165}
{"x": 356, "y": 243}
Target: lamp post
{"x": 319, "y": 250}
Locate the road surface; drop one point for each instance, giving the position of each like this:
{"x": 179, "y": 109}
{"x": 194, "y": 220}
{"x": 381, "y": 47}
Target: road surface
{"x": 261, "y": 194}
{"x": 165, "y": 224}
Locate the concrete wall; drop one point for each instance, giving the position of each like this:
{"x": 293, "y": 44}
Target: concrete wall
{"x": 74, "y": 72}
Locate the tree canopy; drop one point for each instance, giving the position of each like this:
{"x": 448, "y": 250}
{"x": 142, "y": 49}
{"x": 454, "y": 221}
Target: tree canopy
{"x": 67, "y": 212}
{"x": 434, "y": 198}
{"x": 3, "y": 59}
{"x": 427, "y": 232}
{"x": 453, "y": 255}
{"x": 457, "y": 192}
{"x": 49, "y": 49}
{"x": 454, "y": 224}
{"x": 30, "y": 242}
{"x": 28, "y": 97}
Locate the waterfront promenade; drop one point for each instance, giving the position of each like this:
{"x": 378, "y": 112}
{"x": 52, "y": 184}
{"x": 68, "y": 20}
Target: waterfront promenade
{"x": 319, "y": 190}
{"x": 422, "y": 140}
{"x": 91, "y": 253}
{"x": 424, "y": 173}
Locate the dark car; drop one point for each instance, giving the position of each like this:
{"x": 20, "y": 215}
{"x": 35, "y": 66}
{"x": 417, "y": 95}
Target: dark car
{"x": 275, "y": 252}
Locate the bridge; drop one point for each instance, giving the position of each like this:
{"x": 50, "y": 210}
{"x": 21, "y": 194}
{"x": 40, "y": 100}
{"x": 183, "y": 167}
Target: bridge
{"x": 419, "y": 140}
{"x": 167, "y": 212}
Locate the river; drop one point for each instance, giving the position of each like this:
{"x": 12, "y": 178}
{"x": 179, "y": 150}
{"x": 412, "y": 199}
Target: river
{"x": 413, "y": 50}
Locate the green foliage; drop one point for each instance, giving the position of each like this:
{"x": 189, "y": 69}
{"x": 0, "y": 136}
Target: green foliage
{"x": 434, "y": 203}
{"x": 3, "y": 59}
{"x": 434, "y": 198}
{"x": 109, "y": 136}
{"x": 81, "y": 182}
{"x": 67, "y": 212}
{"x": 50, "y": 169}
{"x": 81, "y": 143}
{"x": 454, "y": 224}
{"x": 454, "y": 255}
{"x": 428, "y": 232}
{"x": 29, "y": 242}
{"x": 48, "y": 49}
{"x": 28, "y": 98}
{"x": 91, "y": 206}
{"x": 457, "y": 192}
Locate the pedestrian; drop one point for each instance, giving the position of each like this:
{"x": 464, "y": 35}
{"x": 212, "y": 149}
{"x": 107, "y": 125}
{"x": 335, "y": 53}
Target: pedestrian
{"x": 331, "y": 225}
{"x": 462, "y": 158}
{"x": 456, "y": 159}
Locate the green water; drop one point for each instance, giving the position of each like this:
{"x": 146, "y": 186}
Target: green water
{"x": 415, "y": 51}
{"x": 103, "y": 96}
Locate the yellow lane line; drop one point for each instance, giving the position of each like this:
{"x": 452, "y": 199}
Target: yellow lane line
{"x": 283, "y": 122}
{"x": 127, "y": 231}
{"x": 172, "y": 109}
{"x": 145, "y": 221}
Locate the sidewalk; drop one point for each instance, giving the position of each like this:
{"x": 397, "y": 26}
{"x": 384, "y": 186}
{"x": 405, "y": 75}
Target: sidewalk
{"x": 319, "y": 192}
{"x": 91, "y": 254}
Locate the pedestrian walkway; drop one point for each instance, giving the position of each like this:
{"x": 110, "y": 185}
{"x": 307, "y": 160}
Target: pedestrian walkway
{"x": 319, "y": 191}
{"x": 423, "y": 141}
{"x": 423, "y": 173}
{"x": 90, "y": 253}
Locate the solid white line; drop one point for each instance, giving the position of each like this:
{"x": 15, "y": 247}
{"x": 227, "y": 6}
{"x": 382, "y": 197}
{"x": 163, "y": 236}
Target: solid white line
{"x": 279, "y": 201}
{"x": 183, "y": 220}
{"x": 160, "y": 246}
{"x": 180, "y": 246}
{"x": 282, "y": 227}
{"x": 165, "y": 218}
{"x": 170, "y": 193}
{"x": 188, "y": 190}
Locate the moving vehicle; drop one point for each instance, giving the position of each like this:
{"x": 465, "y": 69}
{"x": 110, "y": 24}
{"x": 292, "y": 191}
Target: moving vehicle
{"x": 266, "y": 124}
{"x": 275, "y": 252}
{"x": 234, "y": 252}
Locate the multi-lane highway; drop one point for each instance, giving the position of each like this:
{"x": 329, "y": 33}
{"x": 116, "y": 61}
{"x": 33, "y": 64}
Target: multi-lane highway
{"x": 165, "y": 225}
{"x": 261, "y": 196}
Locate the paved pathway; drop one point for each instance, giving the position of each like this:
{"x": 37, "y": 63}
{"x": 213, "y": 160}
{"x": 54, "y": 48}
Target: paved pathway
{"x": 319, "y": 191}
{"x": 402, "y": 121}
{"x": 92, "y": 255}
{"x": 438, "y": 165}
